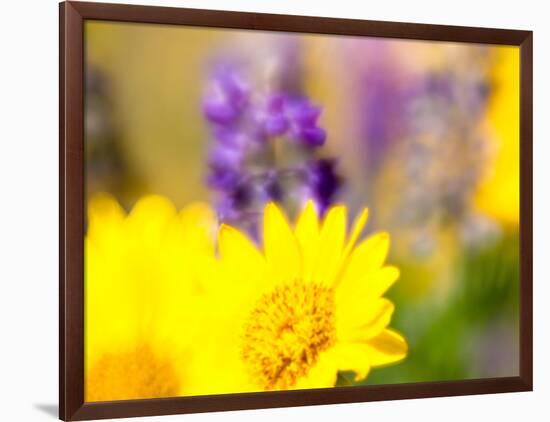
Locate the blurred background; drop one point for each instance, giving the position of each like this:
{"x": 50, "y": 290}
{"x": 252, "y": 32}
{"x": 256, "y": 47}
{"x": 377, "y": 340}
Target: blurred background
{"x": 425, "y": 134}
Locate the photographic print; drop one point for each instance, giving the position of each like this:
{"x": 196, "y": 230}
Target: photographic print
{"x": 270, "y": 211}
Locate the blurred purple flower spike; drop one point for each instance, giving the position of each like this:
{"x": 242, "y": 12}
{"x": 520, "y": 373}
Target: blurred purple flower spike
{"x": 250, "y": 129}
{"x": 276, "y": 122}
{"x": 272, "y": 190}
{"x": 304, "y": 117}
{"x": 226, "y": 157}
{"x": 227, "y": 97}
{"x": 312, "y": 136}
{"x": 223, "y": 179}
{"x": 295, "y": 116}
{"x": 324, "y": 182}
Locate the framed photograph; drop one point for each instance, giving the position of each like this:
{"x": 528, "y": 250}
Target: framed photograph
{"x": 267, "y": 210}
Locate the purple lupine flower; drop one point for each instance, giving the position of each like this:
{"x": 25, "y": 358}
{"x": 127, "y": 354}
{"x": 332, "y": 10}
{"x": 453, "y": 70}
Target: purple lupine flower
{"x": 272, "y": 188}
{"x": 227, "y": 97}
{"x": 275, "y": 121}
{"x": 294, "y": 116}
{"x": 304, "y": 116}
{"x": 225, "y": 106}
{"x": 223, "y": 178}
{"x": 323, "y": 182}
{"x": 226, "y": 157}
{"x": 224, "y": 162}
{"x": 246, "y": 125}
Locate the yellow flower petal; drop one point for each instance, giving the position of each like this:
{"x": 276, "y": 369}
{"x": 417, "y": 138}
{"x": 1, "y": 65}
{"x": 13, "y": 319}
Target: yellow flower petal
{"x": 307, "y": 234}
{"x": 217, "y": 368}
{"x": 353, "y": 357}
{"x": 104, "y": 208}
{"x": 370, "y": 286}
{"x": 358, "y": 226}
{"x": 387, "y": 347}
{"x": 233, "y": 245}
{"x": 147, "y": 222}
{"x": 280, "y": 245}
{"x": 331, "y": 244}
{"x": 105, "y": 216}
{"x": 380, "y": 317}
{"x": 384, "y": 279}
{"x": 235, "y": 249}
{"x": 367, "y": 257}
{"x": 360, "y": 320}
{"x": 322, "y": 375}
{"x": 201, "y": 223}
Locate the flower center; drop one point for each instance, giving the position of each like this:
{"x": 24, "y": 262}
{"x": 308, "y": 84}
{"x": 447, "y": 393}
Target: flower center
{"x": 135, "y": 374}
{"x": 286, "y": 331}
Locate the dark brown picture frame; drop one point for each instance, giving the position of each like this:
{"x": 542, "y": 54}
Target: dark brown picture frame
{"x": 72, "y": 205}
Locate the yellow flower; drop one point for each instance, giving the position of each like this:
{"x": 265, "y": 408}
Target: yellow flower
{"x": 141, "y": 285}
{"x": 307, "y": 306}
{"x": 498, "y": 194}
